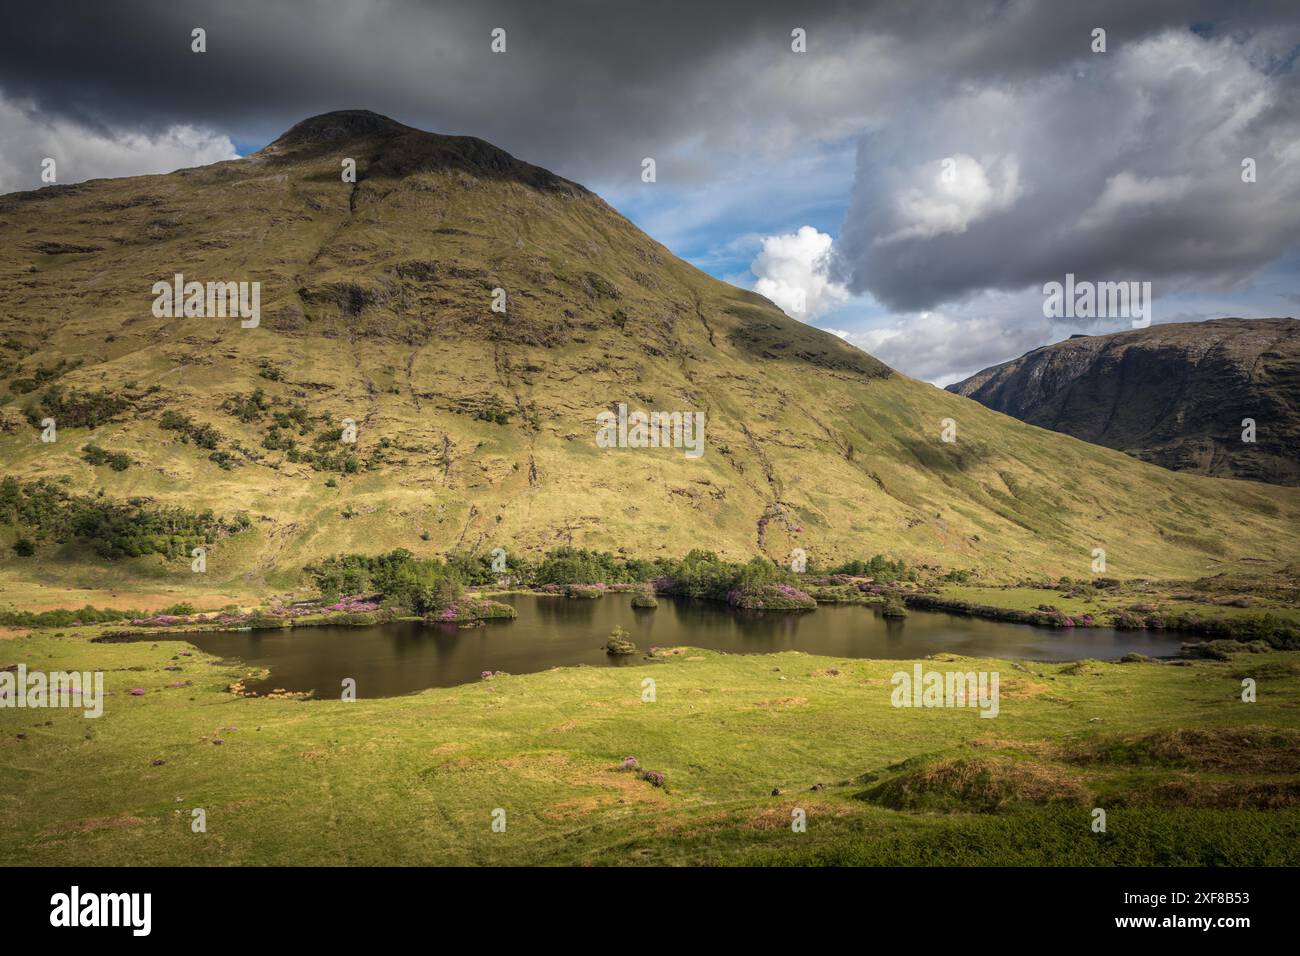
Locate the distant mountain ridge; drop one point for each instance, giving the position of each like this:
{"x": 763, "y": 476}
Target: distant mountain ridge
{"x": 1175, "y": 395}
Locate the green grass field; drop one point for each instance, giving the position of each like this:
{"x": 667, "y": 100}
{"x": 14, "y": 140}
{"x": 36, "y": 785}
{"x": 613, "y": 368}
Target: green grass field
{"x": 1182, "y": 766}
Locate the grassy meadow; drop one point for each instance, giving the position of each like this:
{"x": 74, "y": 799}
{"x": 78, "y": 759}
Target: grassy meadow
{"x": 1187, "y": 772}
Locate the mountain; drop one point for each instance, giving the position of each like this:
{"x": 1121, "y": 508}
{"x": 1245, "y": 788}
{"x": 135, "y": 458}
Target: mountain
{"x": 1175, "y": 395}
{"x": 476, "y": 429}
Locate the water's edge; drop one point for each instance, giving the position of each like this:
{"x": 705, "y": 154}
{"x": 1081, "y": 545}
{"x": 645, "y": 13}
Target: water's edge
{"x": 408, "y": 656}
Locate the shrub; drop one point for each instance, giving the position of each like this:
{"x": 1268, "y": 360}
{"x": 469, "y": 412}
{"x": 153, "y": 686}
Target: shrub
{"x": 248, "y": 408}
{"x": 879, "y": 568}
{"x": 261, "y": 620}
{"x": 296, "y": 416}
{"x": 771, "y": 597}
{"x": 42, "y": 374}
{"x": 205, "y": 436}
{"x": 569, "y": 565}
{"x": 115, "y": 529}
{"x": 75, "y": 409}
{"x": 839, "y": 594}
{"x": 474, "y": 569}
{"x": 619, "y": 644}
{"x": 64, "y": 617}
{"x": 420, "y": 585}
{"x": 471, "y": 610}
{"x": 116, "y": 460}
{"x": 269, "y": 370}
{"x": 327, "y": 452}
{"x": 24, "y": 547}
{"x": 894, "y": 608}
{"x": 494, "y": 412}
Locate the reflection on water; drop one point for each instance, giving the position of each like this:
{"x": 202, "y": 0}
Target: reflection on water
{"x": 557, "y": 632}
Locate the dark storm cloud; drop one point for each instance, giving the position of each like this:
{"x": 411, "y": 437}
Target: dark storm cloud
{"x": 1123, "y": 165}
{"x": 582, "y": 85}
{"x": 587, "y": 87}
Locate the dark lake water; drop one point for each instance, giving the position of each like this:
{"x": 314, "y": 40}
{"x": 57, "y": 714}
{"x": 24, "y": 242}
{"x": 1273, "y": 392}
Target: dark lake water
{"x": 391, "y": 659}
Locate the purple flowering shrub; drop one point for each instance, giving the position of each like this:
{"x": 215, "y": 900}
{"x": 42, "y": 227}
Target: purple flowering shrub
{"x": 771, "y": 597}
{"x": 353, "y": 604}
{"x": 467, "y": 610}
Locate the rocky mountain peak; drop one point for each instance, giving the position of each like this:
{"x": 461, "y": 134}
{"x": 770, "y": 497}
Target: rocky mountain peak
{"x": 390, "y": 148}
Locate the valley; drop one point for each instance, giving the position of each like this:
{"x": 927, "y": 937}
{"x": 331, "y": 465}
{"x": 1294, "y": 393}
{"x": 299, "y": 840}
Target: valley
{"x": 339, "y": 455}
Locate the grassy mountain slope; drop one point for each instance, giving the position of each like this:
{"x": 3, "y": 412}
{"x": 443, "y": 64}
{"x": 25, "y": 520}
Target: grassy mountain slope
{"x": 477, "y": 430}
{"x": 1172, "y": 394}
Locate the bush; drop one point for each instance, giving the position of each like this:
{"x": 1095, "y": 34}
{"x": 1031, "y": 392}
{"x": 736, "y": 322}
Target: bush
{"x": 270, "y": 371}
{"x": 839, "y": 594}
{"x": 116, "y": 460}
{"x": 569, "y": 565}
{"x": 205, "y": 436}
{"x": 115, "y": 529}
{"x": 878, "y": 568}
{"x": 474, "y": 569}
{"x": 64, "y": 617}
{"x": 758, "y": 584}
{"x": 471, "y": 610}
{"x": 893, "y": 608}
{"x": 619, "y": 644}
{"x": 248, "y": 408}
{"x": 771, "y": 597}
{"x": 24, "y": 547}
{"x": 494, "y": 412}
{"x": 260, "y": 620}
{"x": 420, "y": 585}
{"x": 42, "y": 374}
{"x": 702, "y": 574}
{"x": 74, "y": 409}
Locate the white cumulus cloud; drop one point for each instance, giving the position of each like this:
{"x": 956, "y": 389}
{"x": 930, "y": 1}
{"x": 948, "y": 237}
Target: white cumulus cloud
{"x": 793, "y": 270}
{"x": 952, "y": 193}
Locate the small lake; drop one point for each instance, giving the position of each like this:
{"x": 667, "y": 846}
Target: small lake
{"x": 390, "y": 659}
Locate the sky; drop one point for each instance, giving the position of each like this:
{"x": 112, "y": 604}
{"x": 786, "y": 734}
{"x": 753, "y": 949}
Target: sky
{"x": 907, "y": 175}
